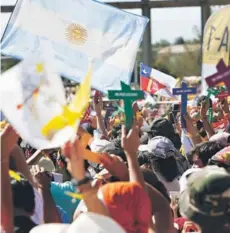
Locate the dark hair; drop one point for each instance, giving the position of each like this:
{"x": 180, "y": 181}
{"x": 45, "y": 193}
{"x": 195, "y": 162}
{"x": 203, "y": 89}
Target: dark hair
{"x": 176, "y": 140}
{"x": 144, "y": 157}
{"x": 151, "y": 178}
{"x": 166, "y": 167}
{"x": 201, "y": 99}
{"x": 23, "y": 195}
{"x": 116, "y": 131}
{"x": 206, "y": 150}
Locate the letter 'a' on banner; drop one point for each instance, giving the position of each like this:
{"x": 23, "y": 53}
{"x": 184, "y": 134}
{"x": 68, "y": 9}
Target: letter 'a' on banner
{"x": 216, "y": 43}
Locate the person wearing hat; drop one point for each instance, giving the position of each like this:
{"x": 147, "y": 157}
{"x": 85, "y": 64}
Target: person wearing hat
{"x": 162, "y": 155}
{"x": 206, "y": 200}
{"x": 221, "y": 159}
{"x": 163, "y": 127}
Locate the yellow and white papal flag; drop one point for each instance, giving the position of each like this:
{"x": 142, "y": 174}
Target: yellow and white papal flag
{"x": 32, "y": 98}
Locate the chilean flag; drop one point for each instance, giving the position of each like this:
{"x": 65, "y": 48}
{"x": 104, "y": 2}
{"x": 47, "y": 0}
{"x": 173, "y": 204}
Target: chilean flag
{"x": 156, "y": 82}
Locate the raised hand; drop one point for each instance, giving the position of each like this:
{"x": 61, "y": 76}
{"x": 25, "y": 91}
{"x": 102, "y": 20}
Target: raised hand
{"x": 98, "y": 103}
{"x": 131, "y": 141}
{"x": 8, "y": 139}
{"x": 74, "y": 153}
{"x": 204, "y": 109}
{"x": 42, "y": 178}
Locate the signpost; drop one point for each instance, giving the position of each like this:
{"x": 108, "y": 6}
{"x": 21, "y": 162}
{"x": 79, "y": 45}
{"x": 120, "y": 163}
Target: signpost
{"x": 184, "y": 91}
{"x": 128, "y": 96}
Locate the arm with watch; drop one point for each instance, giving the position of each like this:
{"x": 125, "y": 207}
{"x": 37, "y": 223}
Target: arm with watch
{"x": 74, "y": 153}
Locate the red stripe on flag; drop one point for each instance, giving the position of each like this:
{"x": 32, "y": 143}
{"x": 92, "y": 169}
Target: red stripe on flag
{"x": 150, "y": 85}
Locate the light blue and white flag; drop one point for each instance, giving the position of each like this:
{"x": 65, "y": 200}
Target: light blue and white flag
{"x": 76, "y": 31}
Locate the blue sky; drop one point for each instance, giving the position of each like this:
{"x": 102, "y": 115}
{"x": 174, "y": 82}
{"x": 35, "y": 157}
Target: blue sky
{"x": 166, "y": 23}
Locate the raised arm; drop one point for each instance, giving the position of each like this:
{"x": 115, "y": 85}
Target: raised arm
{"x": 98, "y": 105}
{"x": 8, "y": 141}
{"x": 43, "y": 179}
{"x": 20, "y": 162}
{"x": 75, "y": 157}
{"x": 203, "y": 115}
{"x": 130, "y": 143}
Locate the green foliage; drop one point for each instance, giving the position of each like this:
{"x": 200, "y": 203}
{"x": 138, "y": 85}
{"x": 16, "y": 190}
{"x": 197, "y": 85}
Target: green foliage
{"x": 180, "y": 64}
{"x": 179, "y": 40}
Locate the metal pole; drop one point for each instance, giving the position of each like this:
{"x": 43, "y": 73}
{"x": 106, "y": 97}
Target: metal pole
{"x": 205, "y": 14}
{"x": 147, "y": 43}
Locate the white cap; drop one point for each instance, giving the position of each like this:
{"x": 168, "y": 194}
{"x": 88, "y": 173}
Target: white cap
{"x": 85, "y": 223}
{"x": 184, "y": 178}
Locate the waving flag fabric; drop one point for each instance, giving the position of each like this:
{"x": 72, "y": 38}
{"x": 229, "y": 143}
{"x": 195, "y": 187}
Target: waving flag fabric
{"x": 33, "y": 100}
{"x": 156, "y": 82}
{"x": 76, "y": 31}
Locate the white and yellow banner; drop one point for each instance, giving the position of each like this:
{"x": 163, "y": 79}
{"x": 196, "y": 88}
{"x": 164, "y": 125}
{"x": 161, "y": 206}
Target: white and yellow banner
{"x": 216, "y": 42}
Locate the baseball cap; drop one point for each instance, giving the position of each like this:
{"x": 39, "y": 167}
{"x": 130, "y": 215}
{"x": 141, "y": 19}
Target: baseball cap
{"x": 161, "y": 148}
{"x": 87, "y": 223}
{"x": 160, "y": 126}
{"x": 222, "y": 158}
{"x": 47, "y": 164}
{"x": 207, "y": 197}
{"x": 222, "y": 138}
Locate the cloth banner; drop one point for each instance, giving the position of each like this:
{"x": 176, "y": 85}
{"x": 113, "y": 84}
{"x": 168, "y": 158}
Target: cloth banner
{"x": 78, "y": 31}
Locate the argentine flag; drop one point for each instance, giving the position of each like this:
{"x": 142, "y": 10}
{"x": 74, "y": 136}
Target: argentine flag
{"x": 77, "y": 31}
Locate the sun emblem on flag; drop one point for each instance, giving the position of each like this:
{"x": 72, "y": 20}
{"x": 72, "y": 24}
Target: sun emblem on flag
{"x": 76, "y": 34}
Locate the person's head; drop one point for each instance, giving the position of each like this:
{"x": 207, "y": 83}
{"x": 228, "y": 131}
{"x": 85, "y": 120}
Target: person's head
{"x": 223, "y": 138}
{"x": 162, "y": 156}
{"x": 116, "y": 131}
{"x": 201, "y": 129}
{"x": 201, "y": 99}
{"x": 151, "y": 178}
{"x": 114, "y": 148}
{"x": 221, "y": 159}
{"x": 144, "y": 158}
{"x": 23, "y": 196}
{"x": 206, "y": 200}
{"x": 201, "y": 153}
{"x": 128, "y": 204}
{"x": 163, "y": 127}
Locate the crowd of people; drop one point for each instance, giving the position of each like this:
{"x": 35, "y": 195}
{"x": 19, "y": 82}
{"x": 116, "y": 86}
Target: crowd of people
{"x": 155, "y": 177}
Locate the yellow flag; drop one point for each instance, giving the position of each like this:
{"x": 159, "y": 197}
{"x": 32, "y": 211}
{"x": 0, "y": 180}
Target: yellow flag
{"x": 82, "y": 98}
{"x": 72, "y": 113}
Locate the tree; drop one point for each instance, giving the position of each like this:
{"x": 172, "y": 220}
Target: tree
{"x": 179, "y": 40}
{"x": 161, "y": 44}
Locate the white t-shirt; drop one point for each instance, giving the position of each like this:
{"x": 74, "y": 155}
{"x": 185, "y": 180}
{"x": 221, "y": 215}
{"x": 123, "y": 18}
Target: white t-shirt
{"x": 38, "y": 217}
